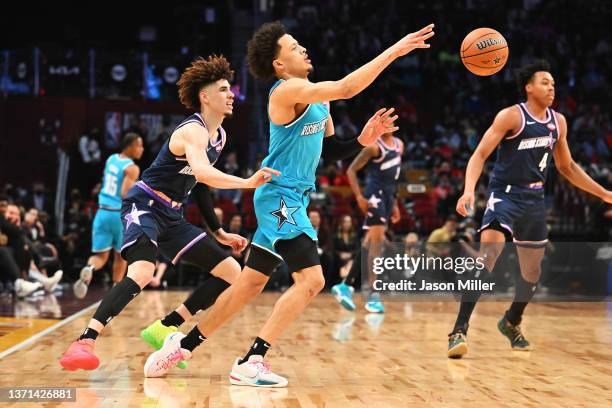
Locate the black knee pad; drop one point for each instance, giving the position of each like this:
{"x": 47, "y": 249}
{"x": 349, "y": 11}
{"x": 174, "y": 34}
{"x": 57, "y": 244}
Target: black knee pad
{"x": 205, "y": 295}
{"x": 116, "y": 300}
{"x": 262, "y": 260}
{"x": 299, "y": 252}
{"x": 141, "y": 250}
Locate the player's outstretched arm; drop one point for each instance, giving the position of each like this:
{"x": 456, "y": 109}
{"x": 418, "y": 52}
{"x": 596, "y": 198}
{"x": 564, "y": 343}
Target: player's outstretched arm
{"x": 192, "y": 140}
{"x": 130, "y": 175}
{"x": 296, "y": 90}
{"x": 572, "y": 171}
{"x": 505, "y": 122}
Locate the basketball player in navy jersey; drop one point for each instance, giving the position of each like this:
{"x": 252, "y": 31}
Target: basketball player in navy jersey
{"x": 378, "y": 203}
{"x": 152, "y": 210}
{"x": 527, "y": 136}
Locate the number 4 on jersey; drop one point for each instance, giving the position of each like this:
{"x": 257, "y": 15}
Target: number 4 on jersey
{"x": 543, "y": 162}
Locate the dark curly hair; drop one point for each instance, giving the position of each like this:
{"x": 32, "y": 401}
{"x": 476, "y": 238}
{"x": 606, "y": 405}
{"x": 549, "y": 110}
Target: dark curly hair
{"x": 202, "y": 72}
{"x": 525, "y": 74}
{"x": 263, "y": 48}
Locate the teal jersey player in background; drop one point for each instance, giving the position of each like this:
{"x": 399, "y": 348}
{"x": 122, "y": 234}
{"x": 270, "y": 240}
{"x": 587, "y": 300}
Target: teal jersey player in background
{"x": 301, "y": 131}
{"x": 120, "y": 174}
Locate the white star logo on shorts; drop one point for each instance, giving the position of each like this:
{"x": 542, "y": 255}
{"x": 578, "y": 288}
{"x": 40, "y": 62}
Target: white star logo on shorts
{"x": 134, "y": 216}
{"x": 373, "y": 201}
{"x": 491, "y": 202}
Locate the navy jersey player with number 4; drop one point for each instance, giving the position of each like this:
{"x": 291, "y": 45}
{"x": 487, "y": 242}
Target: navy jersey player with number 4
{"x": 527, "y": 136}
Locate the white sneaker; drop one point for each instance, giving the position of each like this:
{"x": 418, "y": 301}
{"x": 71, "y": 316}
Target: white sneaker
{"x": 80, "y": 287}
{"x": 160, "y": 362}
{"x": 256, "y": 373}
{"x": 50, "y": 283}
{"x": 23, "y": 288}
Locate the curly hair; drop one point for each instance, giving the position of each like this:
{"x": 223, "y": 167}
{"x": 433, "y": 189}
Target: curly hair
{"x": 263, "y": 48}
{"x": 525, "y": 74}
{"x": 202, "y": 72}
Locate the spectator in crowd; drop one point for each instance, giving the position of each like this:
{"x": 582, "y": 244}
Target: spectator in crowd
{"x": 346, "y": 242}
{"x": 16, "y": 258}
{"x": 32, "y": 227}
{"x": 441, "y": 236}
{"x": 40, "y": 198}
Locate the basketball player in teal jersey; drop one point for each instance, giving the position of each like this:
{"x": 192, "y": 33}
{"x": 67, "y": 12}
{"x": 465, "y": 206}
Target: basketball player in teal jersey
{"x": 301, "y": 130}
{"x": 120, "y": 174}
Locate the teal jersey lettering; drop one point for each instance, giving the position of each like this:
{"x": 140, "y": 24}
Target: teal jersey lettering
{"x": 110, "y": 193}
{"x": 295, "y": 148}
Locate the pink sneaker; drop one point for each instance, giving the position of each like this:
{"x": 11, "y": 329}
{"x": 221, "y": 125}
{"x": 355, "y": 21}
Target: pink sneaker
{"x": 81, "y": 355}
{"x": 160, "y": 362}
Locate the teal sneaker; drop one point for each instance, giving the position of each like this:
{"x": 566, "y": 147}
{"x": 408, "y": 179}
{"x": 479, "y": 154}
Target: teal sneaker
{"x": 457, "y": 345}
{"x": 514, "y": 334}
{"x": 344, "y": 295}
{"x": 155, "y": 334}
{"x": 374, "y": 305}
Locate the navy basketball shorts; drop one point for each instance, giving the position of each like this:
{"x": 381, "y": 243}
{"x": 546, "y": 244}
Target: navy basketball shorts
{"x": 164, "y": 226}
{"x": 380, "y": 206}
{"x": 519, "y": 211}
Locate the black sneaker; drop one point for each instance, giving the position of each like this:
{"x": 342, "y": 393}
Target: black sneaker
{"x": 457, "y": 345}
{"x": 514, "y": 334}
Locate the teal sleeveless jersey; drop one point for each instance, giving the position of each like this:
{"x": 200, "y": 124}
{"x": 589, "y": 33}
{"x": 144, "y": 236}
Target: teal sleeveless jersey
{"x": 110, "y": 193}
{"x": 295, "y": 148}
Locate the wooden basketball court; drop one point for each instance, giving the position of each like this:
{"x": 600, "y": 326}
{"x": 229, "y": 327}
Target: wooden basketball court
{"x": 333, "y": 358}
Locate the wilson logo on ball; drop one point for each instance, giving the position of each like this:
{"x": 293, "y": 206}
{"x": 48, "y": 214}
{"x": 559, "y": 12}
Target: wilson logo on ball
{"x": 490, "y": 42}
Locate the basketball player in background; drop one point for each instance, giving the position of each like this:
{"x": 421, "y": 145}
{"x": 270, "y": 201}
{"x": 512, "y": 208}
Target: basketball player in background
{"x": 301, "y": 131}
{"x": 152, "y": 213}
{"x": 120, "y": 174}
{"x": 378, "y": 203}
{"x": 527, "y": 136}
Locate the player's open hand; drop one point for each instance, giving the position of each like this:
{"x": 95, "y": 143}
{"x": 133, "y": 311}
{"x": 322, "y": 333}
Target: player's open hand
{"x": 465, "y": 205}
{"x": 412, "y": 41}
{"x": 235, "y": 241}
{"x": 262, "y": 176}
{"x": 378, "y": 125}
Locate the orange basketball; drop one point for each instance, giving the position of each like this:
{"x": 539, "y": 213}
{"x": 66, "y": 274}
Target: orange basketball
{"x": 484, "y": 51}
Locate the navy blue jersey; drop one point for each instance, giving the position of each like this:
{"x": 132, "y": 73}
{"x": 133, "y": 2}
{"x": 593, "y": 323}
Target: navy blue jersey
{"x": 172, "y": 175}
{"x": 383, "y": 171}
{"x": 524, "y": 157}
